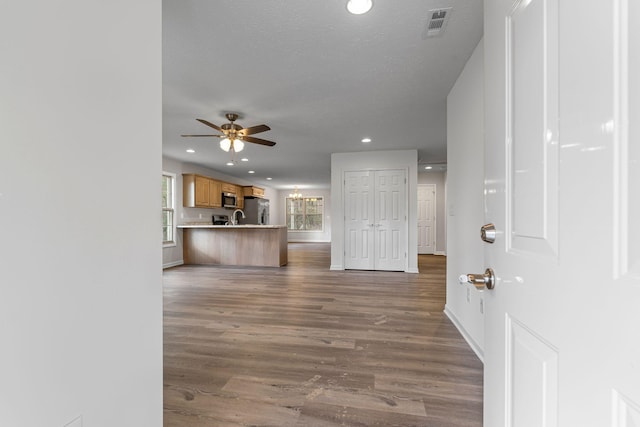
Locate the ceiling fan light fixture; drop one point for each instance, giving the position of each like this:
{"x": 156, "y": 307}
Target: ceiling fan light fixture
{"x": 225, "y": 144}
{"x": 358, "y": 7}
{"x": 238, "y": 145}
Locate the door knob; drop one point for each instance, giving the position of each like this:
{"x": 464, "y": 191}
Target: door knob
{"x": 480, "y": 281}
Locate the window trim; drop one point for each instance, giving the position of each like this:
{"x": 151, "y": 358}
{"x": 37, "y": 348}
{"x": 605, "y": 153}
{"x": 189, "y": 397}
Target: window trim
{"x": 286, "y": 203}
{"x": 172, "y": 209}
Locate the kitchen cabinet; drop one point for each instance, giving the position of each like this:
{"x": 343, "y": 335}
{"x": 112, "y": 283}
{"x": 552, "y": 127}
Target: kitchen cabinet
{"x": 251, "y": 191}
{"x": 229, "y": 188}
{"x": 239, "y": 197}
{"x": 200, "y": 192}
{"x": 215, "y": 193}
{"x": 257, "y": 245}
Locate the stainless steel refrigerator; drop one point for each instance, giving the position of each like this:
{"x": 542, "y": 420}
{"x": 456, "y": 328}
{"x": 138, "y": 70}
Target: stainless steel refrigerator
{"x": 256, "y": 211}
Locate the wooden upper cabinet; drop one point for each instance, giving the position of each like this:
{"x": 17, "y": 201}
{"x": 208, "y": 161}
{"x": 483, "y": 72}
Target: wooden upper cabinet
{"x": 215, "y": 193}
{"x": 228, "y": 188}
{"x": 203, "y": 192}
{"x": 239, "y": 197}
{"x": 200, "y": 191}
{"x": 195, "y": 191}
{"x": 251, "y": 191}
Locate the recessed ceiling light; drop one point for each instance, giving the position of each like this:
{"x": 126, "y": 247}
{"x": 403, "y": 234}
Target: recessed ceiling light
{"x": 244, "y": 159}
{"x": 252, "y": 171}
{"x": 190, "y": 150}
{"x": 358, "y": 7}
{"x": 229, "y": 163}
{"x": 269, "y": 178}
{"x": 366, "y": 140}
{"x": 428, "y": 167}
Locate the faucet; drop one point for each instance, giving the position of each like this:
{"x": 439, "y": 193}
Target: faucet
{"x": 234, "y": 221}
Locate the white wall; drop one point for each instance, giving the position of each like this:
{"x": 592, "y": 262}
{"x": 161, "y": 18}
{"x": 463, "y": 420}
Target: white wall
{"x": 80, "y": 167}
{"x": 373, "y": 160}
{"x": 172, "y": 256}
{"x": 440, "y": 180}
{"x": 307, "y": 236}
{"x": 465, "y": 203}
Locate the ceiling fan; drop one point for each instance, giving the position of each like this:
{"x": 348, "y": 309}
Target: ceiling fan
{"x": 235, "y": 135}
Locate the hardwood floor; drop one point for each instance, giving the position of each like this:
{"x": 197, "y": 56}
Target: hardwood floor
{"x": 305, "y": 346}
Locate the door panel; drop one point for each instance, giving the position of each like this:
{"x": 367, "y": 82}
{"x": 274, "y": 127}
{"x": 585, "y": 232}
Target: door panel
{"x": 532, "y": 365}
{"x": 532, "y": 127}
{"x": 426, "y": 218}
{"x": 564, "y": 198}
{"x": 391, "y": 223}
{"x": 358, "y": 220}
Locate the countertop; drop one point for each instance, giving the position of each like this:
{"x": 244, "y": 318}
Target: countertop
{"x": 230, "y": 227}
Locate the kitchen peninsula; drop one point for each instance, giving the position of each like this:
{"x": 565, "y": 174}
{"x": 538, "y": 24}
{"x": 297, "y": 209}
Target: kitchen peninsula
{"x": 251, "y": 245}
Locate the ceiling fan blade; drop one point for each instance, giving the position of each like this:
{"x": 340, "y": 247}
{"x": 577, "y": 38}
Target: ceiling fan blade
{"x": 217, "y": 136}
{"x": 216, "y": 127}
{"x": 254, "y": 129}
{"x": 258, "y": 141}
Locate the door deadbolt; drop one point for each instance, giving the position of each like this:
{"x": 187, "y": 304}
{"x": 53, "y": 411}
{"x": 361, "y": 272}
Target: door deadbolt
{"x": 488, "y": 233}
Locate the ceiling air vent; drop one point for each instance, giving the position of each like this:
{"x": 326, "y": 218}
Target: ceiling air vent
{"x": 438, "y": 19}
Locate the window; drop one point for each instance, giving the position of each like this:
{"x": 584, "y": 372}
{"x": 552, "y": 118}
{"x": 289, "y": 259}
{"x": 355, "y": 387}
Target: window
{"x": 168, "y": 209}
{"x": 305, "y": 213}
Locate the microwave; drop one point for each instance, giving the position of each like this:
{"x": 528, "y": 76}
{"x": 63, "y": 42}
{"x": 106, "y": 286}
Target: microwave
{"x": 229, "y": 200}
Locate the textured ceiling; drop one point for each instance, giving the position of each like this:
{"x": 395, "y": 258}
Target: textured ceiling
{"x": 321, "y": 78}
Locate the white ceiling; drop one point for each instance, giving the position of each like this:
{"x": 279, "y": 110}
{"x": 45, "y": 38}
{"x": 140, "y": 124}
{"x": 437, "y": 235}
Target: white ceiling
{"x": 321, "y": 78}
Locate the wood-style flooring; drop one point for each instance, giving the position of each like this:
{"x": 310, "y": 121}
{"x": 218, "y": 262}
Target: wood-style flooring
{"x": 304, "y": 346}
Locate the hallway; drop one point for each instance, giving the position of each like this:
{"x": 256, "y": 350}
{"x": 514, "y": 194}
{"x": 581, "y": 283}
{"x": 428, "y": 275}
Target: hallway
{"x": 305, "y": 346}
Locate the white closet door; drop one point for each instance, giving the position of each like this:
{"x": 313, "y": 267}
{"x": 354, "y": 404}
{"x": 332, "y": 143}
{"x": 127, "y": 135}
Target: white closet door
{"x": 358, "y": 221}
{"x": 390, "y": 220}
{"x": 375, "y": 220}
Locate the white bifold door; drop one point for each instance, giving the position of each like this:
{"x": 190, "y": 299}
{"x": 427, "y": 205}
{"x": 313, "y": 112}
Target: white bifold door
{"x": 375, "y": 220}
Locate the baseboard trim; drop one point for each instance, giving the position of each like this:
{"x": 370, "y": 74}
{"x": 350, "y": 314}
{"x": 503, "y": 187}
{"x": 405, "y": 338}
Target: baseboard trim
{"x": 336, "y": 268}
{"x": 440, "y": 253}
{"x": 474, "y": 345}
{"x": 172, "y": 264}
{"x": 412, "y": 270}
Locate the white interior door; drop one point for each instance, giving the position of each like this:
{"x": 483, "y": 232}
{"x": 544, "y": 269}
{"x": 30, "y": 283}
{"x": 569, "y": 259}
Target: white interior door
{"x": 426, "y": 218}
{"x": 375, "y": 220}
{"x": 390, "y": 220}
{"x": 358, "y": 221}
{"x": 561, "y": 324}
